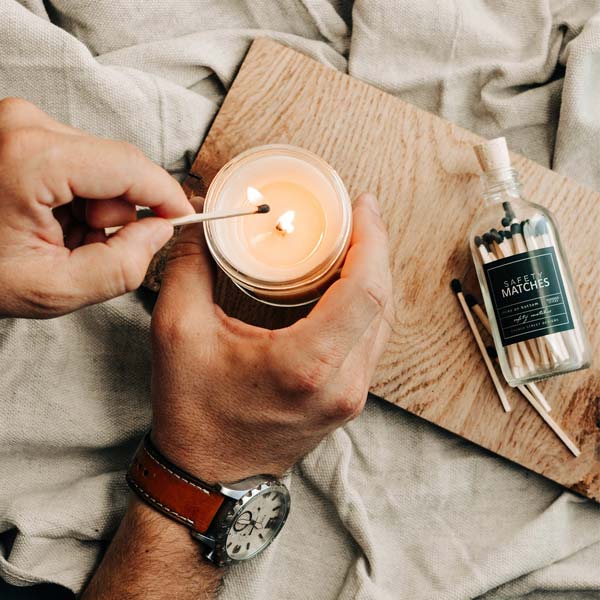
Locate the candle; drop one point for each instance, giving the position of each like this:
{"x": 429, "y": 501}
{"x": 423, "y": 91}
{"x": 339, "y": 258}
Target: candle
{"x": 288, "y": 256}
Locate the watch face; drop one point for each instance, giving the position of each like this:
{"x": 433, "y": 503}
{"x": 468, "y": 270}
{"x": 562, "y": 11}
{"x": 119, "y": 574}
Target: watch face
{"x": 257, "y": 521}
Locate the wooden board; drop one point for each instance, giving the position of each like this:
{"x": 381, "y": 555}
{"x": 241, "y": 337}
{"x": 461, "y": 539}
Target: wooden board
{"x": 424, "y": 172}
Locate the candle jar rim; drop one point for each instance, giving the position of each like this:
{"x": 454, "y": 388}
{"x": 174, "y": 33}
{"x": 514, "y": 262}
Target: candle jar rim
{"x": 254, "y": 285}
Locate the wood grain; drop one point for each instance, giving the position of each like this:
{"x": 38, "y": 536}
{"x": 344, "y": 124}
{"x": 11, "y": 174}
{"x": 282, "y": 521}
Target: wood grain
{"x": 424, "y": 172}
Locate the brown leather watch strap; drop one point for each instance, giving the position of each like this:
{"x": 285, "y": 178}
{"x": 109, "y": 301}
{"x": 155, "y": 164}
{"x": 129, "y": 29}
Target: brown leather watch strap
{"x": 172, "y": 491}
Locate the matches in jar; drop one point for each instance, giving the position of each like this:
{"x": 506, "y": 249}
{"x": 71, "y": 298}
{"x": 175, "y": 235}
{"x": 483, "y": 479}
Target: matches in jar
{"x": 524, "y": 278}
{"x": 289, "y": 256}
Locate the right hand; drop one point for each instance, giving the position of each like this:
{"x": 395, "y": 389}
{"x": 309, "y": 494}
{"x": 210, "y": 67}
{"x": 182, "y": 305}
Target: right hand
{"x": 231, "y": 400}
{"x": 59, "y": 188}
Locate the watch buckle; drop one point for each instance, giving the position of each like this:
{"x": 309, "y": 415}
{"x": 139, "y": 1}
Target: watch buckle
{"x": 204, "y": 539}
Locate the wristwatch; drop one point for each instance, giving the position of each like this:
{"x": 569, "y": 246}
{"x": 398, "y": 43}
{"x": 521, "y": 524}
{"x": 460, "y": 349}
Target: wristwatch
{"x": 234, "y": 522}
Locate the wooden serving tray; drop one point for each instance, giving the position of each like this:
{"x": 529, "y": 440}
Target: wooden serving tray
{"x": 424, "y": 172}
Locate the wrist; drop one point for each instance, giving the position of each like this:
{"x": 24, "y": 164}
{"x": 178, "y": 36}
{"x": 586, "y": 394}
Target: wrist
{"x": 148, "y": 552}
{"x": 233, "y": 521}
{"x": 153, "y": 527}
{"x": 209, "y": 458}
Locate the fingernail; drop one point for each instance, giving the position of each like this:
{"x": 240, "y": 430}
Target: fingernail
{"x": 374, "y": 203}
{"x": 163, "y": 231}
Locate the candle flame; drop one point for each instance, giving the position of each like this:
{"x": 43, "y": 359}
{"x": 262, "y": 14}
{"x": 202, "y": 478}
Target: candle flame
{"x": 253, "y": 195}
{"x": 285, "y": 223}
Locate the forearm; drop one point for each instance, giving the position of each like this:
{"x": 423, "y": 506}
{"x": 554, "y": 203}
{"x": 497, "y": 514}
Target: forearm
{"x": 152, "y": 557}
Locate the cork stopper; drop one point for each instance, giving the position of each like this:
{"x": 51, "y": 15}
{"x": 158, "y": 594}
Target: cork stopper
{"x": 493, "y": 155}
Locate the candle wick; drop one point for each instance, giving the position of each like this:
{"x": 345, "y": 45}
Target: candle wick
{"x": 285, "y": 223}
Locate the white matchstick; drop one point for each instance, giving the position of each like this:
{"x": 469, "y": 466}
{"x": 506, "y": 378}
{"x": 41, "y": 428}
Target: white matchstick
{"x": 544, "y": 240}
{"x": 494, "y": 238}
{"x": 556, "y": 428}
{"x": 483, "y": 319}
{"x": 548, "y": 348}
{"x": 540, "y": 345}
{"x": 457, "y": 289}
{"x": 201, "y": 217}
{"x": 521, "y": 348}
{"x": 555, "y": 340}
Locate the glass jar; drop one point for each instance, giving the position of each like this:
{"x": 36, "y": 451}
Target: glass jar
{"x": 282, "y": 267}
{"x": 526, "y": 283}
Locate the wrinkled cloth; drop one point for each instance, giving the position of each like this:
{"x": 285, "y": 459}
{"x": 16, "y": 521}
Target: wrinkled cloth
{"x": 388, "y": 506}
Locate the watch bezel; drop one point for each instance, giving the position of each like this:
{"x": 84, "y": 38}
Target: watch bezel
{"x": 223, "y": 522}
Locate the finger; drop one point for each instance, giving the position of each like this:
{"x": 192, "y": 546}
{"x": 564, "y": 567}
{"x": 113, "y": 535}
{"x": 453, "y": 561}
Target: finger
{"x": 106, "y": 213}
{"x": 16, "y": 113}
{"x": 189, "y": 278}
{"x": 100, "y": 169}
{"x": 105, "y": 270}
{"x": 365, "y": 356}
{"x": 360, "y": 296}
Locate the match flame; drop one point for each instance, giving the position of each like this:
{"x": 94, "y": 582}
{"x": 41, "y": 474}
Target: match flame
{"x": 253, "y": 195}
{"x": 285, "y": 223}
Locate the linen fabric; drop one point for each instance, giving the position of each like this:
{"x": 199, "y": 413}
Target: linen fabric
{"x": 388, "y": 507}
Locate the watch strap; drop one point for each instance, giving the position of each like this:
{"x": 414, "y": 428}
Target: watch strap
{"x": 171, "y": 490}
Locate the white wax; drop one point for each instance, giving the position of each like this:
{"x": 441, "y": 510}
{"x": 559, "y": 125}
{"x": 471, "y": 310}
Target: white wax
{"x": 258, "y": 249}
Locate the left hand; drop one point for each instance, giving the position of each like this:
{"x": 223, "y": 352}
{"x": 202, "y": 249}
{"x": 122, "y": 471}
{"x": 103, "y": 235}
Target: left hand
{"x": 231, "y": 400}
{"x": 58, "y": 188}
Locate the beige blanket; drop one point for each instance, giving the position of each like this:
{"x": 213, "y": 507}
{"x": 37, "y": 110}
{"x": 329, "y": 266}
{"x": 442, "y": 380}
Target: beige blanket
{"x": 389, "y": 506}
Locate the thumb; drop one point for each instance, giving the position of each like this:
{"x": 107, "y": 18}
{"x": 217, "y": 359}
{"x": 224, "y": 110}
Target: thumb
{"x": 189, "y": 278}
{"x": 108, "y": 269}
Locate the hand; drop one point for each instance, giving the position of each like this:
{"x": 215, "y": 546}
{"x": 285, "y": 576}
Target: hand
{"x": 231, "y": 400}
{"x": 59, "y": 187}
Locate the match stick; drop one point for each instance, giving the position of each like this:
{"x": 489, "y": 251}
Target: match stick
{"x": 483, "y": 319}
{"x": 544, "y": 240}
{"x": 457, "y": 289}
{"x": 535, "y": 390}
{"x": 564, "y": 438}
{"x": 490, "y": 251}
{"x": 201, "y": 217}
{"x": 554, "y": 340}
{"x": 521, "y": 349}
{"x": 479, "y": 312}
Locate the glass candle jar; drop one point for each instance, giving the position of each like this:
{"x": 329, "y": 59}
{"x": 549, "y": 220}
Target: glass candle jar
{"x": 290, "y": 255}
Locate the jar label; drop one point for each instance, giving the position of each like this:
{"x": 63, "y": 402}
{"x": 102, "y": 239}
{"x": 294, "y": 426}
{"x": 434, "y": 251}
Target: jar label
{"x": 528, "y": 295}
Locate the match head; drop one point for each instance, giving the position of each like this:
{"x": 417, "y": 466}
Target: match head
{"x": 505, "y": 221}
{"x": 510, "y": 214}
{"x": 516, "y": 228}
{"x": 478, "y": 241}
{"x": 263, "y": 208}
{"x": 487, "y": 239}
{"x": 456, "y": 286}
{"x": 471, "y": 300}
{"x": 495, "y": 236}
{"x": 492, "y": 352}
{"x": 541, "y": 227}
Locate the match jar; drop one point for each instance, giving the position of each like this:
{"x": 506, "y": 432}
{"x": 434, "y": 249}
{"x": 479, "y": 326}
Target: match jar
{"x": 529, "y": 294}
{"x": 290, "y": 255}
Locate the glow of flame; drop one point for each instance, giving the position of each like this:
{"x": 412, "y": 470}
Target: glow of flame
{"x": 285, "y": 223}
{"x": 254, "y": 196}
